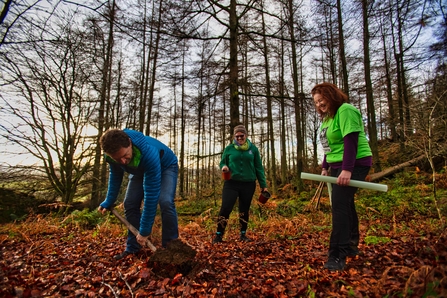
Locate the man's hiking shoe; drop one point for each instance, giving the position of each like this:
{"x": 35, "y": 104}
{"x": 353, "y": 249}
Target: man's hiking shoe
{"x": 335, "y": 264}
{"x": 122, "y": 255}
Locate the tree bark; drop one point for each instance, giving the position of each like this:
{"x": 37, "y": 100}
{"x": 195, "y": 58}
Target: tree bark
{"x": 271, "y": 135}
{"x": 297, "y": 99}
{"x": 389, "y": 90}
{"x": 234, "y": 94}
{"x": 372, "y": 125}
{"x": 97, "y": 185}
{"x": 154, "y": 70}
{"x": 341, "y": 39}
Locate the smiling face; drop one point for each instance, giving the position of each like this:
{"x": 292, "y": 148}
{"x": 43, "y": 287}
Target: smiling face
{"x": 123, "y": 155}
{"x": 327, "y": 99}
{"x": 321, "y": 104}
{"x": 240, "y": 138}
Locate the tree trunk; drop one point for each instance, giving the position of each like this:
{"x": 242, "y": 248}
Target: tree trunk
{"x": 154, "y": 70}
{"x": 297, "y": 96}
{"x": 182, "y": 170}
{"x": 372, "y": 125}
{"x": 145, "y": 66}
{"x": 271, "y": 135}
{"x": 389, "y": 91}
{"x": 97, "y": 186}
{"x": 234, "y": 94}
{"x": 341, "y": 39}
{"x": 284, "y": 165}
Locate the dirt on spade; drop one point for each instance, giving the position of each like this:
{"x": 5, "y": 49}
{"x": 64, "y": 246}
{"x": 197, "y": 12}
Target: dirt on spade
{"x": 177, "y": 257}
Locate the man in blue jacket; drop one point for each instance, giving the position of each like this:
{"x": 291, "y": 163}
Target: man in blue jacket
{"x": 153, "y": 171}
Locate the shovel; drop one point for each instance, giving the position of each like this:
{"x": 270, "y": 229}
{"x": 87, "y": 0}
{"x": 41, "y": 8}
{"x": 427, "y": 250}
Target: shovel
{"x": 132, "y": 228}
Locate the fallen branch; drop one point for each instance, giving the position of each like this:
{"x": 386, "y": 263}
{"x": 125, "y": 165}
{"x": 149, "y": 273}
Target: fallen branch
{"x": 127, "y": 284}
{"x": 110, "y": 287}
{"x": 397, "y": 168}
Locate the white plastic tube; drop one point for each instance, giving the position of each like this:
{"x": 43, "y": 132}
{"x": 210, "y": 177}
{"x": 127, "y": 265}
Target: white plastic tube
{"x": 354, "y": 183}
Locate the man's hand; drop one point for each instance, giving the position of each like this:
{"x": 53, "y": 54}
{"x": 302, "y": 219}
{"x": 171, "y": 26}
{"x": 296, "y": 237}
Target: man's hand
{"x": 102, "y": 209}
{"x": 142, "y": 239}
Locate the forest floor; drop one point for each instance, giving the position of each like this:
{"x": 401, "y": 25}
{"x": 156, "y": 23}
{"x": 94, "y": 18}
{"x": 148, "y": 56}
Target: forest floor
{"x": 42, "y": 259}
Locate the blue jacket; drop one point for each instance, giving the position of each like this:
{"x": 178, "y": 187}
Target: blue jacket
{"x": 150, "y": 158}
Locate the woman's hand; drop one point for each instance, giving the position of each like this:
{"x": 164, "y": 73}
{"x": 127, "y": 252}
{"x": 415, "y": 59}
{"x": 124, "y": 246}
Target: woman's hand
{"x": 225, "y": 169}
{"x": 344, "y": 178}
{"x": 142, "y": 239}
{"x": 324, "y": 172}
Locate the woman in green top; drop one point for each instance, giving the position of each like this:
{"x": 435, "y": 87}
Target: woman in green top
{"x": 348, "y": 156}
{"x": 242, "y": 159}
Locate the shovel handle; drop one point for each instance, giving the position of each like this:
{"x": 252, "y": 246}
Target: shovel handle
{"x": 132, "y": 228}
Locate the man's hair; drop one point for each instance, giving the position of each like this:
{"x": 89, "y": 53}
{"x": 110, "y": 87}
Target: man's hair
{"x": 113, "y": 140}
{"x": 334, "y": 96}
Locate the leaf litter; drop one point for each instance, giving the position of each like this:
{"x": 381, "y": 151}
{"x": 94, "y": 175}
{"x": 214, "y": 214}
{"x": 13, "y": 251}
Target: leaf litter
{"x": 64, "y": 262}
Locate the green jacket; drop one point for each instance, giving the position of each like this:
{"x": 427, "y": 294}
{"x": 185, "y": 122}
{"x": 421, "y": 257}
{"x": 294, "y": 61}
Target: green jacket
{"x": 244, "y": 165}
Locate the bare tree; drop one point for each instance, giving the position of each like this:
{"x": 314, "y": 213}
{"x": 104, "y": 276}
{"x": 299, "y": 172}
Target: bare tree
{"x": 104, "y": 90}
{"x": 430, "y": 138}
{"x": 155, "y": 52}
{"x": 298, "y": 96}
{"x": 391, "y": 115}
{"x": 326, "y": 39}
{"x": 15, "y": 15}
{"x": 371, "y": 109}
{"x": 405, "y": 33}
{"x": 5, "y": 10}
{"x": 271, "y": 136}
{"x": 342, "y": 52}
{"x": 48, "y": 117}
{"x": 209, "y": 65}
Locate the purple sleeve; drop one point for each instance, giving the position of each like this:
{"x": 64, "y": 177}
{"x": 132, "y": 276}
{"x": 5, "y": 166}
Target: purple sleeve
{"x": 350, "y": 151}
{"x": 325, "y": 165}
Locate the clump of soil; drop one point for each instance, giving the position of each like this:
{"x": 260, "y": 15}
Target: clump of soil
{"x": 177, "y": 257}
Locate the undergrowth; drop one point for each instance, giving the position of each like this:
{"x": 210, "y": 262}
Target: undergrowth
{"x": 408, "y": 200}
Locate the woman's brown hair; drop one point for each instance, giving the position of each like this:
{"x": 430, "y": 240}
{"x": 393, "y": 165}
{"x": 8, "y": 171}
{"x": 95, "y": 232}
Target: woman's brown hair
{"x": 333, "y": 95}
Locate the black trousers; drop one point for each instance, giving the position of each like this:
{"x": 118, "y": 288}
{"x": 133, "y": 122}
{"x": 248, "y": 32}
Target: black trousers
{"x": 232, "y": 190}
{"x": 345, "y": 222}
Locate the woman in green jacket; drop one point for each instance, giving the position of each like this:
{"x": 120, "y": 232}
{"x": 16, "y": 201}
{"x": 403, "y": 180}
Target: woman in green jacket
{"x": 242, "y": 159}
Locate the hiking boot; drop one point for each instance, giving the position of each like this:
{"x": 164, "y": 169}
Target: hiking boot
{"x": 352, "y": 251}
{"x": 122, "y": 255}
{"x": 244, "y": 238}
{"x": 335, "y": 264}
{"x": 217, "y": 239}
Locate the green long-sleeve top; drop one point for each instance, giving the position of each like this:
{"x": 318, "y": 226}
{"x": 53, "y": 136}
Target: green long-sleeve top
{"x": 244, "y": 165}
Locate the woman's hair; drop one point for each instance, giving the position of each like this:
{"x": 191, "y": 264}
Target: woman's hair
{"x": 113, "y": 140}
{"x": 333, "y": 95}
